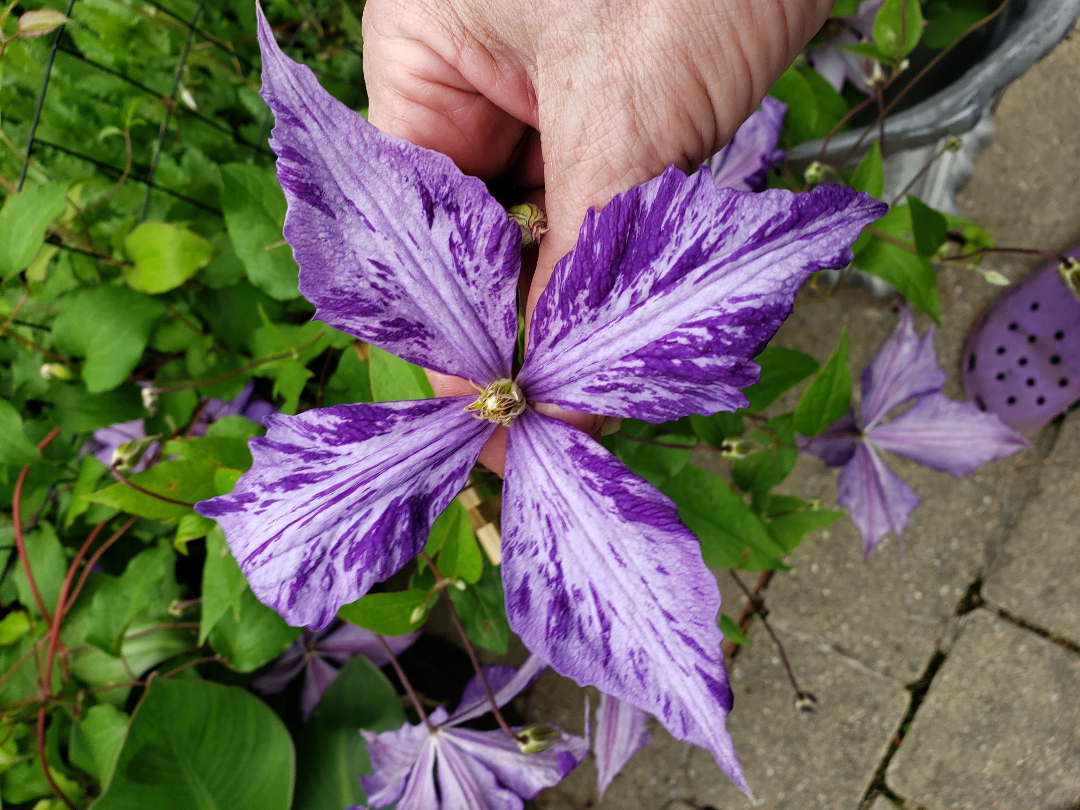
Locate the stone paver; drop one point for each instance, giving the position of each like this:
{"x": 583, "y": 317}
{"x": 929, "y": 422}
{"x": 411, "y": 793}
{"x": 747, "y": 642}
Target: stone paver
{"x": 822, "y": 761}
{"x": 1000, "y": 726}
{"x": 1038, "y": 576}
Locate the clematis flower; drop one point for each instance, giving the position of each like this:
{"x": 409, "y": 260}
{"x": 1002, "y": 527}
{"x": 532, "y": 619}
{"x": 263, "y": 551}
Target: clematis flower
{"x": 745, "y": 162}
{"x": 620, "y": 733}
{"x": 654, "y": 314}
{"x": 480, "y": 770}
{"x": 937, "y": 432}
{"x": 837, "y": 65}
{"x": 320, "y": 654}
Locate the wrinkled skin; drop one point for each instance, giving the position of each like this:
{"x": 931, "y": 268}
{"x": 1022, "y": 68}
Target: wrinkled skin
{"x": 575, "y": 100}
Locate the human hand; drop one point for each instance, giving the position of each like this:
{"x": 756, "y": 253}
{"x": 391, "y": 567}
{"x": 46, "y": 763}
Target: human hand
{"x": 574, "y": 101}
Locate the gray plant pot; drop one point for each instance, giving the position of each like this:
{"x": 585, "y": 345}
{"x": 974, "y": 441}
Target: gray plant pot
{"x": 1023, "y": 34}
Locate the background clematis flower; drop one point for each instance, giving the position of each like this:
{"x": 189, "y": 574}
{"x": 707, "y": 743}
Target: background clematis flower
{"x": 656, "y": 313}
{"x": 320, "y": 654}
{"x": 480, "y": 770}
{"x": 837, "y": 65}
{"x": 745, "y": 162}
{"x": 620, "y": 733}
{"x": 937, "y": 432}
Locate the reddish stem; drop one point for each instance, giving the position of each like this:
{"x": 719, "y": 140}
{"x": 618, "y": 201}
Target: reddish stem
{"x": 20, "y": 543}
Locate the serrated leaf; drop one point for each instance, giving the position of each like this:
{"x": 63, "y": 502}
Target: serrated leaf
{"x": 190, "y": 746}
{"x": 829, "y": 396}
{"x": 929, "y": 227}
{"x": 23, "y": 221}
{"x": 781, "y": 370}
{"x": 110, "y": 327}
{"x": 392, "y": 614}
{"x": 254, "y": 208}
{"x": 164, "y": 256}
{"x": 869, "y": 176}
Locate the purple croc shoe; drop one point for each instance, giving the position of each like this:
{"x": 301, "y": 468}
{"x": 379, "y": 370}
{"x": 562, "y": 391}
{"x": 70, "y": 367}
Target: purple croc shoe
{"x": 1021, "y": 360}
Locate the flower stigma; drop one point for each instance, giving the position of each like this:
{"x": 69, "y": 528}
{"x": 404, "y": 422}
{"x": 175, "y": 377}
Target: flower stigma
{"x": 501, "y": 402}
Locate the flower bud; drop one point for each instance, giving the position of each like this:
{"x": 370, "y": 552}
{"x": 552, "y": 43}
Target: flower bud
{"x": 953, "y": 143}
{"x": 531, "y": 220}
{"x": 55, "y": 371}
{"x": 815, "y": 173}
{"x": 537, "y": 738}
{"x": 806, "y": 703}
{"x": 1069, "y": 271}
{"x": 737, "y": 448}
{"x": 129, "y": 454}
{"x": 992, "y": 277}
{"x": 39, "y": 22}
{"x": 150, "y": 400}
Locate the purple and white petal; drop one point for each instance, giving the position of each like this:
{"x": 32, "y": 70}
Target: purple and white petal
{"x": 904, "y": 367}
{"x": 525, "y": 774}
{"x": 395, "y": 244}
{"x": 505, "y": 684}
{"x": 465, "y": 784}
{"x": 674, "y": 287}
{"x": 876, "y": 499}
{"x": 340, "y": 498}
{"x": 745, "y": 162}
{"x": 829, "y": 61}
{"x": 317, "y": 679}
{"x": 396, "y": 758}
{"x": 953, "y": 437}
{"x": 605, "y": 583}
{"x": 348, "y": 640}
{"x": 620, "y": 733}
{"x": 836, "y": 445}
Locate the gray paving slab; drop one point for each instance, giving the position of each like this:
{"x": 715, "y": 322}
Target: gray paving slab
{"x": 999, "y": 728}
{"x": 791, "y": 760}
{"x": 1038, "y": 575}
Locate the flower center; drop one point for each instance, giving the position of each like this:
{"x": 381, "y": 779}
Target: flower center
{"x": 501, "y": 402}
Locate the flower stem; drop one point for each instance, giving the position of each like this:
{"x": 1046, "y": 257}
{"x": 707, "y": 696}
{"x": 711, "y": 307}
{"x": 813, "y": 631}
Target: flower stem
{"x": 405, "y": 682}
{"x": 471, "y": 651}
{"x": 127, "y": 483}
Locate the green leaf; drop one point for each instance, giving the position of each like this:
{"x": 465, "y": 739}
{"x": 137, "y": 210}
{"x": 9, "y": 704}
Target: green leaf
{"x": 898, "y": 27}
{"x": 237, "y": 427}
{"x": 330, "y": 751}
{"x": 110, "y": 327}
{"x": 393, "y": 379}
{"x": 928, "y": 226}
{"x": 13, "y": 627}
{"x": 350, "y": 383}
{"x": 459, "y": 557}
{"x": 191, "y": 527}
{"x": 482, "y": 609}
{"x": 254, "y": 637}
{"x": 829, "y": 396}
{"x": 730, "y": 533}
{"x": 789, "y": 530}
{"x": 947, "y": 20}
{"x": 814, "y": 107}
{"x": 781, "y": 370}
{"x": 190, "y": 747}
{"x": 713, "y": 430}
{"x": 48, "y": 564}
{"x": 912, "y": 275}
{"x": 654, "y": 463}
{"x": 225, "y": 480}
{"x": 869, "y": 176}
{"x": 15, "y": 448}
{"x": 164, "y": 255}
{"x": 96, "y": 740}
{"x": 392, "y": 614}
{"x": 186, "y": 481}
{"x": 867, "y": 49}
{"x": 223, "y": 583}
{"x": 23, "y": 221}
{"x": 254, "y": 208}
{"x": 732, "y": 632}
{"x": 217, "y": 451}
{"x": 77, "y": 411}
{"x": 761, "y": 471}
{"x": 119, "y": 599}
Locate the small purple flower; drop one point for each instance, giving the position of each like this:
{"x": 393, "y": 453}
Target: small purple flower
{"x": 837, "y": 65}
{"x": 620, "y": 733}
{"x": 937, "y": 432}
{"x": 745, "y": 162}
{"x": 453, "y": 768}
{"x": 655, "y": 314}
{"x": 320, "y": 654}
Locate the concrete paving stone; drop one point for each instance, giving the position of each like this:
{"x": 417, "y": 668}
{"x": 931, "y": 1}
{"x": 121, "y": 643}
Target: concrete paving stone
{"x": 823, "y": 761}
{"x": 1038, "y": 575}
{"x": 999, "y": 728}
